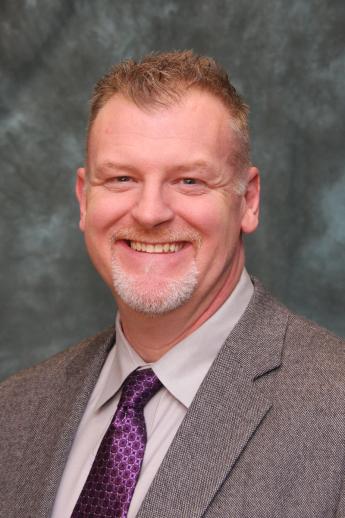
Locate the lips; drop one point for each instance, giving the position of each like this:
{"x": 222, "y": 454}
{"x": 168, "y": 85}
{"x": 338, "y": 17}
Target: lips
{"x": 155, "y": 248}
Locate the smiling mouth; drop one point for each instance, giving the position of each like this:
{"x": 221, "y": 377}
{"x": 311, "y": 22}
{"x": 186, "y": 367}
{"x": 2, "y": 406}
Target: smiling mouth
{"x": 155, "y": 248}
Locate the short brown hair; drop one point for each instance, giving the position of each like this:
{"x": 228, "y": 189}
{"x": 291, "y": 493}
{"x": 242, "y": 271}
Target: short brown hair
{"x": 161, "y": 79}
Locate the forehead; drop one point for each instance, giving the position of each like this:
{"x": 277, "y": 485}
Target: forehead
{"x": 198, "y": 121}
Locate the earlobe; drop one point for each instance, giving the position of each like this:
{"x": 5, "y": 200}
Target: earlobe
{"x": 80, "y": 191}
{"x": 251, "y": 200}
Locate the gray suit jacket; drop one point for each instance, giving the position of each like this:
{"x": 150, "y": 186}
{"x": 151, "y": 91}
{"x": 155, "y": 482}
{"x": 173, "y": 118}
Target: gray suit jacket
{"x": 263, "y": 438}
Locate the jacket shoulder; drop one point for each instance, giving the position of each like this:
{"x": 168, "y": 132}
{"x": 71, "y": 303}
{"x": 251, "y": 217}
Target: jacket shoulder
{"x": 315, "y": 352}
{"x": 37, "y": 376}
{"x": 308, "y": 356}
{"x": 300, "y": 333}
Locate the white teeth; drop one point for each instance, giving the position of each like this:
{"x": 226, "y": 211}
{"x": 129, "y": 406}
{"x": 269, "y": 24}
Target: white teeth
{"x": 155, "y": 249}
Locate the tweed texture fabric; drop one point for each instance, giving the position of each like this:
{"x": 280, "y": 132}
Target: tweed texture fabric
{"x": 109, "y": 487}
{"x": 263, "y": 438}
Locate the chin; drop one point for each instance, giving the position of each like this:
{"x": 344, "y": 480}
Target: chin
{"x": 153, "y": 295}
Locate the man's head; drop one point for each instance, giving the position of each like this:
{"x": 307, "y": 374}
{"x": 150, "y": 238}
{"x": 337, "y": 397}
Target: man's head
{"x": 162, "y": 79}
{"x": 168, "y": 188}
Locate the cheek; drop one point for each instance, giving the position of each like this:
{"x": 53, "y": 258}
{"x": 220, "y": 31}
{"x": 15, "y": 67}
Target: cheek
{"x": 216, "y": 218}
{"x": 103, "y": 211}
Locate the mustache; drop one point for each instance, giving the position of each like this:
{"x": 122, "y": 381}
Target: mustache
{"x": 156, "y": 236}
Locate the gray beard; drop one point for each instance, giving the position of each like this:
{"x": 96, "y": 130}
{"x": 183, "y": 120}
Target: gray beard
{"x": 140, "y": 294}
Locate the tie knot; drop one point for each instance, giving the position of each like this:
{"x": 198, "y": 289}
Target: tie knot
{"x": 139, "y": 388}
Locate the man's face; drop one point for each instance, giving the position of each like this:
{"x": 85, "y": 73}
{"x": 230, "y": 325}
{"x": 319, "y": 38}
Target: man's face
{"x": 161, "y": 218}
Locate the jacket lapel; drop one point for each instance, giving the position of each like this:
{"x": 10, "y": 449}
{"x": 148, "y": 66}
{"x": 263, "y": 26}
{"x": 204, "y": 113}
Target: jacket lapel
{"x": 224, "y": 415}
{"x": 45, "y": 455}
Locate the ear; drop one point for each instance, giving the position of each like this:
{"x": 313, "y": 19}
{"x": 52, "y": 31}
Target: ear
{"x": 80, "y": 191}
{"x": 251, "y": 202}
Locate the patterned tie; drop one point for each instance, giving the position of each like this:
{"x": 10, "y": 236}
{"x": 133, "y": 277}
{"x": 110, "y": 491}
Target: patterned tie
{"x": 110, "y": 485}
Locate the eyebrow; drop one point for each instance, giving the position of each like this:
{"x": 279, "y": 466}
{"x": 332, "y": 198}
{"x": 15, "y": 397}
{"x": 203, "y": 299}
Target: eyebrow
{"x": 184, "y": 167}
{"x": 116, "y": 167}
{"x": 192, "y": 166}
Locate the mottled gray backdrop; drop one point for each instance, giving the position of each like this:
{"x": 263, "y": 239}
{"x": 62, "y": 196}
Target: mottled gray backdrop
{"x": 288, "y": 60}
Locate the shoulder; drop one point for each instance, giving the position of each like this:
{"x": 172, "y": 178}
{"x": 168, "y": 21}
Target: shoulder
{"x": 309, "y": 337}
{"x": 315, "y": 358}
{"x": 33, "y": 379}
{"x": 299, "y": 333}
{"x": 311, "y": 366}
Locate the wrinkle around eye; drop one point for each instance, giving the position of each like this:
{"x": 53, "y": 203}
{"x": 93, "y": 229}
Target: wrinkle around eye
{"x": 191, "y": 186}
{"x": 118, "y": 183}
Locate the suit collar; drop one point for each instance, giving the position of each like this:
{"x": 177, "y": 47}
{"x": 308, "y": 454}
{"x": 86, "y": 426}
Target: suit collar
{"x": 224, "y": 415}
{"x": 257, "y": 340}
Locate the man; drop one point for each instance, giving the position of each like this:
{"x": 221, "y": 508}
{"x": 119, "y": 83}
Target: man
{"x": 211, "y": 399}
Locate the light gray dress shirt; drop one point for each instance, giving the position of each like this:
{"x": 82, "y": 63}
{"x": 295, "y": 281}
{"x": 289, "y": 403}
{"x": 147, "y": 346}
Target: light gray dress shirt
{"x": 181, "y": 370}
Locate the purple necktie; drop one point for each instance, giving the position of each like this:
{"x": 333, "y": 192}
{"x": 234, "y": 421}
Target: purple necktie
{"x": 109, "y": 487}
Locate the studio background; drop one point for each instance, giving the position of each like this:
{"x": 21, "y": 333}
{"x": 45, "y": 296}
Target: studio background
{"x": 286, "y": 58}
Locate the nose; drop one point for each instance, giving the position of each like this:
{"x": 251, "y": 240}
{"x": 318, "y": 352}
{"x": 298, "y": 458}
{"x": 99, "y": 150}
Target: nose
{"x": 152, "y": 208}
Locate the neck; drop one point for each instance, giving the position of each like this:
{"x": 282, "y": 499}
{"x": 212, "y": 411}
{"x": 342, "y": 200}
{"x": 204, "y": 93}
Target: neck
{"x": 152, "y": 336}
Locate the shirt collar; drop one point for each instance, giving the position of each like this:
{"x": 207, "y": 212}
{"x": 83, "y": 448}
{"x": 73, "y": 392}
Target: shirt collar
{"x": 182, "y": 369}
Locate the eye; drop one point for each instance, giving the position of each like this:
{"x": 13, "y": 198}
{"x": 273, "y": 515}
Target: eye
{"x": 189, "y": 181}
{"x": 119, "y": 183}
{"x": 190, "y": 186}
{"x": 122, "y": 179}
{"x": 118, "y": 179}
